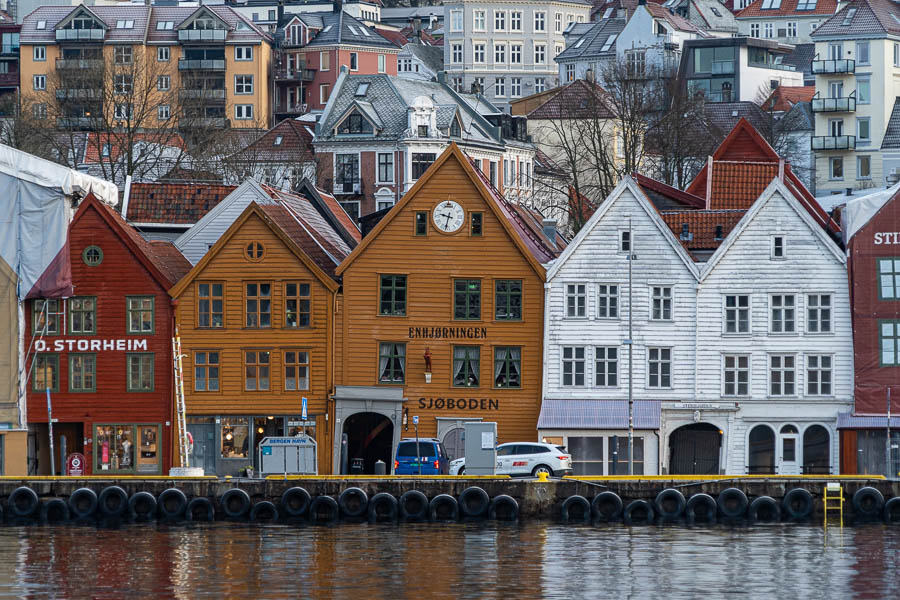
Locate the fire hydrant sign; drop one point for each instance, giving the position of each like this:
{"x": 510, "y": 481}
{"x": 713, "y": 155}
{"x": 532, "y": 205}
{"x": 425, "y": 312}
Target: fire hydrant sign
{"x": 75, "y": 464}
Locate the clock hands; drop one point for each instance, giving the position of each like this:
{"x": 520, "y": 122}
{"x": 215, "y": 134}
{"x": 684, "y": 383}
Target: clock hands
{"x": 447, "y": 222}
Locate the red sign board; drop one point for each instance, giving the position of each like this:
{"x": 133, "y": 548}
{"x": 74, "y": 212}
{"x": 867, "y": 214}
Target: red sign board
{"x": 75, "y": 464}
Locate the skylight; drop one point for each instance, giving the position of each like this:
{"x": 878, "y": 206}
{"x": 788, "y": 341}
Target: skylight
{"x": 278, "y": 140}
{"x": 851, "y": 12}
{"x": 122, "y": 24}
{"x": 362, "y": 88}
{"x": 327, "y": 29}
{"x": 164, "y": 25}
{"x": 609, "y": 42}
{"x": 579, "y": 42}
{"x": 41, "y": 25}
{"x": 352, "y": 29}
{"x": 364, "y": 31}
{"x": 771, "y": 4}
{"x": 716, "y": 11}
{"x": 607, "y": 13}
{"x": 806, "y": 4}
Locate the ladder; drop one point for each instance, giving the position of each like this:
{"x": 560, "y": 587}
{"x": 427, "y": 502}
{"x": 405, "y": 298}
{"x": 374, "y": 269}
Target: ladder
{"x": 180, "y": 410}
{"x": 833, "y": 500}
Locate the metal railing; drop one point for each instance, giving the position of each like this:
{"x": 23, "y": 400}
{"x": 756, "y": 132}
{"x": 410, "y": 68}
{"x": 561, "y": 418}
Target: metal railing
{"x": 72, "y": 122}
{"x": 834, "y": 142}
{"x": 189, "y": 122}
{"x": 78, "y": 93}
{"x": 846, "y": 104}
{"x": 303, "y": 74}
{"x": 204, "y": 94}
{"x": 843, "y": 65}
{"x": 78, "y": 63}
{"x": 81, "y": 35}
{"x": 205, "y": 64}
{"x": 201, "y": 35}
{"x": 722, "y": 67}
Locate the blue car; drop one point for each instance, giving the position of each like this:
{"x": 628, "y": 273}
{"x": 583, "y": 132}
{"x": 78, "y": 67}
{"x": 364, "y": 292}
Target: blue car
{"x": 429, "y": 458}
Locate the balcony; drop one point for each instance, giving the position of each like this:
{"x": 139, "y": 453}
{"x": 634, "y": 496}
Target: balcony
{"x": 9, "y": 49}
{"x": 9, "y": 79}
{"x": 722, "y": 67}
{"x": 302, "y": 74}
{"x": 78, "y": 93}
{"x": 65, "y": 64}
{"x": 347, "y": 186}
{"x": 80, "y": 35}
{"x": 207, "y": 122}
{"x": 75, "y": 122}
{"x": 201, "y": 94}
{"x": 834, "y": 142}
{"x": 201, "y": 35}
{"x": 294, "y": 109}
{"x": 206, "y": 64}
{"x": 843, "y": 65}
{"x": 847, "y": 104}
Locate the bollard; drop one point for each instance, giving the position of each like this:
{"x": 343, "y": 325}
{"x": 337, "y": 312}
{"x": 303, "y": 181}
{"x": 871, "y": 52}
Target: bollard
{"x": 543, "y": 476}
{"x": 380, "y": 467}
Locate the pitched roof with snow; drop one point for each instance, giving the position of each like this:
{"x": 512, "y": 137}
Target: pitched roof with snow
{"x": 677, "y": 22}
{"x": 289, "y": 141}
{"x": 343, "y": 29}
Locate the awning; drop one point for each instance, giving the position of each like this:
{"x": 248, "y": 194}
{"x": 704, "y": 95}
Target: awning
{"x": 597, "y": 414}
{"x": 848, "y": 421}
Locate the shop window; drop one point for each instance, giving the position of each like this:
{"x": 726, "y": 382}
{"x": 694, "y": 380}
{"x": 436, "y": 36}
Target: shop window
{"x": 818, "y": 313}
{"x": 782, "y": 313}
{"x": 508, "y": 300}
{"x": 82, "y": 315}
{"x": 618, "y": 455}
{"x": 421, "y": 223}
{"x": 254, "y": 251}
{"x": 210, "y": 305}
{"x": 82, "y": 372}
{"x": 391, "y": 362}
{"x": 46, "y": 372}
{"x": 140, "y": 314}
{"x": 206, "y": 371}
{"x": 256, "y": 370}
{"x": 466, "y": 366}
{"x": 235, "y": 437}
{"x": 507, "y": 367}
{"x": 606, "y": 363}
{"x": 49, "y": 316}
{"x": 297, "y": 304}
{"x": 296, "y": 370}
{"x": 392, "y": 296}
{"x": 888, "y": 279}
{"x": 737, "y": 313}
{"x": 659, "y": 367}
{"x": 114, "y": 447}
{"x": 576, "y": 300}
{"x": 477, "y": 224}
{"x": 662, "y": 304}
{"x": 608, "y": 301}
{"x": 467, "y": 299}
{"x": 148, "y": 450}
{"x": 92, "y": 256}
{"x": 587, "y": 455}
{"x": 140, "y": 372}
{"x": 258, "y": 305}
{"x": 573, "y": 365}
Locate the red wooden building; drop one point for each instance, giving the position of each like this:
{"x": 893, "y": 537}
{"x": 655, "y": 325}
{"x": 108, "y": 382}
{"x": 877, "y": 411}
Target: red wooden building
{"x": 106, "y": 353}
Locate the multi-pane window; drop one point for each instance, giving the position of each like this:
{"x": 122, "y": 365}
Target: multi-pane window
{"x": 782, "y": 374}
{"x": 82, "y": 372}
{"x": 163, "y": 53}
{"x": 467, "y": 299}
{"x": 296, "y": 304}
{"x": 256, "y": 370}
{"x": 258, "y": 303}
{"x": 540, "y": 54}
{"x": 243, "y": 84}
{"x": 818, "y": 313}
{"x": 576, "y": 300}
{"x": 49, "y": 316}
{"x": 557, "y": 22}
{"x": 737, "y": 313}
{"x": 163, "y": 112}
{"x": 608, "y": 301}
{"x": 508, "y": 299}
{"x": 456, "y": 53}
{"x": 606, "y": 366}
{"x": 818, "y": 375}
{"x": 888, "y": 278}
{"x": 624, "y": 241}
{"x": 391, "y": 362}
{"x": 478, "y": 53}
{"x": 466, "y": 366}
{"x": 82, "y": 315}
{"x": 661, "y": 303}
{"x": 163, "y": 83}
{"x": 392, "y": 295}
{"x": 478, "y": 20}
{"x": 243, "y": 53}
{"x": 124, "y": 83}
{"x": 499, "y": 20}
{"x": 573, "y": 365}
{"x": 783, "y": 307}
{"x": 140, "y": 314}
{"x": 124, "y": 55}
{"x": 659, "y": 367}
{"x": 39, "y": 82}
{"x": 499, "y": 53}
{"x": 889, "y": 343}
{"x": 420, "y": 163}
{"x": 540, "y": 21}
{"x": 476, "y": 225}
{"x": 500, "y": 87}
{"x": 296, "y": 370}
{"x": 456, "y": 20}
{"x": 210, "y": 305}
{"x": 140, "y": 372}
{"x": 421, "y": 223}
{"x": 515, "y": 87}
{"x": 778, "y": 246}
{"x": 507, "y": 367}
{"x": 385, "y": 167}
{"x": 515, "y": 20}
{"x": 737, "y": 375}
{"x": 206, "y": 371}
{"x": 46, "y": 372}
{"x": 515, "y": 54}
{"x": 243, "y": 111}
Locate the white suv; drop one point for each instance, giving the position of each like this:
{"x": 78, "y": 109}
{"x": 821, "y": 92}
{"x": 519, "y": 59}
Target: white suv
{"x": 525, "y": 458}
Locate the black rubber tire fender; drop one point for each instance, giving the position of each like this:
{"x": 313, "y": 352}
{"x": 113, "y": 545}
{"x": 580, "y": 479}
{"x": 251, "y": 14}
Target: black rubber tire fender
{"x": 868, "y": 503}
{"x": 701, "y": 501}
{"x": 377, "y": 505}
{"x": 732, "y": 503}
{"x": 474, "y": 502}
{"x": 172, "y": 503}
{"x": 142, "y": 506}
{"x": 443, "y": 507}
{"x": 353, "y": 502}
{"x": 295, "y": 502}
{"x": 576, "y": 508}
{"x": 413, "y": 505}
{"x": 235, "y": 503}
{"x": 54, "y": 510}
{"x": 503, "y": 508}
{"x": 607, "y": 507}
{"x": 325, "y": 504}
{"x": 200, "y": 504}
{"x": 797, "y": 504}
{"x": 83, "y": 503}
{"x": 263, "y": 512}
{"x": 638, "y": 505}
{"x": 113, "y": 501}
{"x": 663, "y": 504}
{"x": 892, "y": 511}
{"x": 23, "y": 502}
{"x": 764, "y": 509}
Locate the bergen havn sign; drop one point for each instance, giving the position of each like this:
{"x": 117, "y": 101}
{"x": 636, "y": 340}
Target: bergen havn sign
{"x": 451, "y": 333}
{"x": 125, "y": 345}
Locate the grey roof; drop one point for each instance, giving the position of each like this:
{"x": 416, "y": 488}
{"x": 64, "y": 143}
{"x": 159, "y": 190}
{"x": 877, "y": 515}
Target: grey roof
{"x": 341, "y": 28}
{"x": 597, "y": 414}
{"x": 725, "y": 115}
{"x": 799, "y": 118}
{"x": 848, "y": 421}
{"x": 702, "y": 13}
{"x": 801, "y": 59}
{"x": 431, "y": 56}
{"x": 892, "y": 133}
{"x": 592, "y": 42}
{"x": 871, "y": 18}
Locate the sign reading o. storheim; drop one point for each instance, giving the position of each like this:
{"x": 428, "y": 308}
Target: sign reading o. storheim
{"x": 92, "y": 345}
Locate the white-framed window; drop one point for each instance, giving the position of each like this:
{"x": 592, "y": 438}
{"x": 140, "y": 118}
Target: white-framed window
{"x": 625, "y": 241}
{"x": 836, "y": 167}
{"x": 243, "y": 84}
{"x": 478, "y": 53}
{"x": 539, "y": 85}
{"x": 457, "y": 84}
{"x": 39, "y": 82}
{"x": 540, "y": 54}
{"x": 163, "y": 112}
{"x": 324, "y": 60}
{"x": 736, "y": 375}
{"x": 737, "y": 314}
{"x": 478, "y": 20}
{"x": 782, "y": 375}
{"x": 862, "y": 53}
{"x": 782, "y": 313}
{"x": 557, "y": 22}
{"x": 243, "y": 53}
{"x": 768, "y": 30}
{"x": 39, "y": 111}
{"x": 792, "y": 28}
{"x": 163, "y": 83}
{"x": 889, "y": 343}
{"x": 778, "y": 250}
{"x": 661, "y": 303}
{"x": 499, "y": 54}
{"x": 897, "y": 55}
{"x": 659, "y": 367}
{"x": 123, "y": 55}
{"x": 122, "y": 112}
{"x": 607, "y": 301}
{"x": 515, "y": 54}
{"x": 818, "y": 313}
{"x": 818, "y": 374}
{"x": 606, "y": 366}
{"x": 124, "y": 83}
{"x": 515, "y": 20}
{"x": 863, "y": 130}
{"x": 456, "y": 21}
{"x": 163, "y": 53}
{"x": 863, "y": 90}
{"x": 385, "y": 167}
{"x": 500, "y": 87}
{"x": 456, "y": 54}
{"x": 324, "y": 92}
{"x": 515, "y": 87}
{"x": 540, "y": 20}
{"x": 354, "y": 61}
{"x": 570, "y": 72}
{"x": 39, "y": 53}
{"x": 864, "y": 167}
{"x": 573, "y": 362}
{"x": 754, "y": 30}
{"x": 576, "y": 300}
{"x": 243, "y": 111}
{"x": 557, "y": 50}
{"x": 499, "y": 20}
{"x": 382, "y": 63}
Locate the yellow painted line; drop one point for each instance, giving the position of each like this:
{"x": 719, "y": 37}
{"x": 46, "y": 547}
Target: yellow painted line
{"x": 717, "y": 477}
{"x": 382, "y": 477}
{"x": 99, "y": 477}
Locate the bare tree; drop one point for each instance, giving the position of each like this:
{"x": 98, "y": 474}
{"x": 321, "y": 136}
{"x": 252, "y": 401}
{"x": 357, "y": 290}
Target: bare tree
{"x": 786, "y": 129}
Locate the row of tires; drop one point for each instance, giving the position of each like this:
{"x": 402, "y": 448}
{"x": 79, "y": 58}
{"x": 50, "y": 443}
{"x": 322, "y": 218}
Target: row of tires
{"x": 731, "y": 504}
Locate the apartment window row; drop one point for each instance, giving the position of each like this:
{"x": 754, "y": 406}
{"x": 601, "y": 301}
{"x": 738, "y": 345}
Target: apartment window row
{"x": 82, "y": 372}
{"x": 79, "y": 315}
{"x": 259, "y": 304}
{"x": 784, "y": 371}
{"x": 607, "y": 301}
{"x": 575, "y": 363}
{"x": 784, "y": 314}
{"x": 511, "y": 20}
{"x": 466, "y": 365}
{"x": 515, "y": 52}
{"x": 773, "y": 30}
{"x": 257, "y": 365}
{"x": 467, "y": 294}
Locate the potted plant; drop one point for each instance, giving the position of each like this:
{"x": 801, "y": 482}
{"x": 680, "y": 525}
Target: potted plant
{"x": 248, "y": 471}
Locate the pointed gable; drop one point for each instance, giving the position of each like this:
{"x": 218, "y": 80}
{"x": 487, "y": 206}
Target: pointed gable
{"x": 82, "y": 11}
{"x": 199, "y": 17}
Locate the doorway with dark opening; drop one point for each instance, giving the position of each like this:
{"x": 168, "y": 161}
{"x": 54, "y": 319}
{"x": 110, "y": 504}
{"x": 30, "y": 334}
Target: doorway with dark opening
{"x": 694, "y": 450}
{"x": 370, "y": 438}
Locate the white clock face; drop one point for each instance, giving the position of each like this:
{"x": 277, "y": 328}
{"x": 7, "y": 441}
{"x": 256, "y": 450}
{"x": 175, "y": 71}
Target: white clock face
{"x": 448, "y": 216}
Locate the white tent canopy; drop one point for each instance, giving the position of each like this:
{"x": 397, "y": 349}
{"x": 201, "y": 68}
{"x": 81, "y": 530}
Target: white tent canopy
{"x": 49, "y": 174}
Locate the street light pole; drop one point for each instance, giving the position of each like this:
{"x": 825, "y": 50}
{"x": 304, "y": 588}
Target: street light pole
{"x": 630, "y": 357}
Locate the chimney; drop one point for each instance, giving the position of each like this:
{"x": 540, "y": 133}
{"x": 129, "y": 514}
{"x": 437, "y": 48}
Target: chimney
{"x": 781, "y": 169}
{"x": 280, "y": 13}
{"x": 549, "y": 226}
{"x": 686, "y": 235}
{"x": 709, "y": 176}
{"x": 337, "y": 6}
{"x": 589, "y": 75}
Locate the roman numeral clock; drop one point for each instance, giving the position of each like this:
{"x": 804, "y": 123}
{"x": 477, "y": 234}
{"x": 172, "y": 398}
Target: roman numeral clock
{"x": 448, "y": 216}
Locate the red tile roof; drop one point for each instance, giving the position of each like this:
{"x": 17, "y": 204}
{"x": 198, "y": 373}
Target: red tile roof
{"x": 107, "y": 147}
{"x": 169, "y": 260}
{"x": 173, "y": 203}
{"x": 393, "y": 36}
{"x": 786, "y": 96}
{"x": 703, "y": 225}
{"x": 316, "y": 225}
{"x": 295, "y": 144}
{"x": 737, "y": 185}
{"x": 341, "y": 215}
{"x": 787, "y": 8}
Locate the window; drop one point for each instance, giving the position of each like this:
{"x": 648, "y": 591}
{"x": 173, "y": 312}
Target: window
{"x": 573, "y": 366}
{"x": 863, "y": 91}
{"x": 296, "y": 370}
{"x": 515, "y": 54}
{"x": 477, "y": 223}
{"x": 492, "y": 169}
{"x": 557, "y": 22}
{"x": 889, "y": 343}
{"x": 499, "y": 54}
{"x": 420, "y": 163}
{"x": 391, "y": 362}
{"x": 392, "y": 296}
{"x": 515, "y": 87}
{"x": 768, "y": 30}
{"x": 40, "y": 53}
{"x": 258, "y": 305}
{"x": 618, "y": 455}
{"x": 539, "y": 85}
{"x": 123, "y": 55}
{"x": 124, "y": 84}
{"x": 624, "y": 241}
{"x": 782, "y": 315}
{"x": 82, "y": 315}
{"x": 456, "y": 53}
{"x": 163, "y": 83}
{"x": 479, "y": 20}
{"x": 736, "y": 378}
{"x": 235, "y": 437}
{"x": 659, "y": 367}
{"x": 256, "y": 370}
{"x": 635, "y": 62}
{"x": 608, "y": 301}
{"x": 606, "y": 366}
{"x": 778, "y": 246}
{"x": 818, "y": 313}
{"x": 210, "y": 305}
{"x": 792, "y": 28}
{"x": 662, "y": 304}
{"x": 467, "y": 299}
{"x": 897, "y": 55}
{"x": 46, "y": 373}
{"x": 540, "y": 54}
{"x": 862, "y": 53}
{"x": 206, "y": 371}
{"x": 818, "y": 375}
{"x": 382, "y": 63}
{"x": 836, "y": 167}
{"x": 385, "y": 167}
{"x": 39, "y": 111}
{"x": 466, "y": 366}
{"x": 92, "y": 256}
{"x": 863, "y": 130}
{"x": 507, "y": 367}
{"x": 243, "y": 111}
{"x": 456, "y": 20}
{"x": 478, "y": 53}
{"x": 82, "y": 372}
{"x": 499, "y": 20}
{"x": 243, "y": 53}
{"x": 324, "y": 61}
{"x": 123, "y": 24}
{"x": 123, "y": 112}
{"x": 421, "y": 223}
{"x": 163, "y": 53}
{"x": 140, "y": 314}
{"x": 781, "y": 375}
{"x": 140, "y": 372}
{"x": 500, "y": 87}
{"x": 40, "y": 82}
{"x": 515, "y": 20}
{"x": 570, "y": 72}
{"x": 297, "y": 306}
{"x": 737, "y": 313}
{"x": 243, "y": 84}
{"x": 49, "y": 316}
{"x": 354, "y": 61}
{"x": 888, "y": 279}
{"x": 754, "y": 30}
{"x": 576, "y": 300}
{"x": 165, "y": 25}
{"x": 163, "y": 112}
{"x": 508, "y": 299}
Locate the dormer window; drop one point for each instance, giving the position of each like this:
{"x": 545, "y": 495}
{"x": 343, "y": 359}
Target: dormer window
{"x": 455, "y": 129}
{"x": 41, "y": 25}
{"x": 278, "y": 140}
{"x": 423, "y": 131}
{"x": 355, "y": 123}
{"x": 82, "y": 23}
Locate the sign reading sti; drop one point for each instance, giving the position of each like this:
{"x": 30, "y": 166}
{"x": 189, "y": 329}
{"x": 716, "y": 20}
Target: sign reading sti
{"x": 126, "y": 345}
{"x": 887, "y": 238}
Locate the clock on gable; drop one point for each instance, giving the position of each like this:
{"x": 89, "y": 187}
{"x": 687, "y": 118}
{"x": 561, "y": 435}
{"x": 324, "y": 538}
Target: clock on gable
{"x": 448, "y": 216}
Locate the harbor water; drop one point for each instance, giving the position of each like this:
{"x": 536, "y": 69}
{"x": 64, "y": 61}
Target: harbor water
{"x": 474, "y": 560}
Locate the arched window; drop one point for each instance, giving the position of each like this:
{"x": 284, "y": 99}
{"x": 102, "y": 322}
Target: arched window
{"x": 761, "y": 453}
{"x": 816, "y": 442}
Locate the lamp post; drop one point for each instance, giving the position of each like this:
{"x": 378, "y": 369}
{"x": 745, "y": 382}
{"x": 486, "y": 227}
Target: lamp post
{"x": 630, "y": 342}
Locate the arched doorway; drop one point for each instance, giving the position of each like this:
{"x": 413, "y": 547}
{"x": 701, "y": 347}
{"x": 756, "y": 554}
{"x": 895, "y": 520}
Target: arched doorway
{"x": 694, "y": 450}
{"x": 761, "y": 451}
{"x": 370, "y": 438}
{"x": 455, "y": 443}
{"x": 816, "y": 446}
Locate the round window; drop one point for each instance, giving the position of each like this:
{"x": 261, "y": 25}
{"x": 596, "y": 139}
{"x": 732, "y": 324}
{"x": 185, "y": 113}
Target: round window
{"x": 92, "y": 256}
{"x": 255, "y": 251}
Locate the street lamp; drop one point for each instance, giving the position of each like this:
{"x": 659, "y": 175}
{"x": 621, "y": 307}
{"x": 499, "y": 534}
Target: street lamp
{"x": 630, "y": 342}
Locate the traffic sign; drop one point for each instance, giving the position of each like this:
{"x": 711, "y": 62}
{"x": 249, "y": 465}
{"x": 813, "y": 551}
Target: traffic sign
{"x": 303, "y": 409}
{"x": 416, "y": 420}
{"x": 75, "y": 464}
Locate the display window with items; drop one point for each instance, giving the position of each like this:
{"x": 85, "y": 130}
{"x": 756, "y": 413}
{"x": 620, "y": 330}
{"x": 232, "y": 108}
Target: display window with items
{"x": 126, "y": 448}
{"x": 235, "y": 437}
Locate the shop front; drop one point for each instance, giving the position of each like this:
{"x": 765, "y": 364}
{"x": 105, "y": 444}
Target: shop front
{"x": 127, "y": 449}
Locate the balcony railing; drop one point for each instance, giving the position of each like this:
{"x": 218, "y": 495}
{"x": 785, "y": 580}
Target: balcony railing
{"x": 284, "y": 107}
{"x": 78, "y": 93}
{"x": 201, "y": 35}
{"x": 722, "y": 67}
{"x": 843, "y": 65}
{"x": 206, "y": 64}
{"x": 78, "y": 63}
{"x": 847, "y": 104}
{"x": 75, "y": 122}
{"x": 193, "y": 122}
{"x": 202, "y": 94}
{"x": 9, "y": 79}
{"x": 834, "y": 142}
{"x": 9, "y": 49}
{"x": 80, "y": 35}
{"x": 284, "y": 74}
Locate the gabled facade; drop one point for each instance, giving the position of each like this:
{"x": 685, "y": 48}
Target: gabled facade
{"x": 786, "y": 21}
{"x": 282, "y": 157}
{"x": 654, "y": 39}
{"x": 589, "y": 52}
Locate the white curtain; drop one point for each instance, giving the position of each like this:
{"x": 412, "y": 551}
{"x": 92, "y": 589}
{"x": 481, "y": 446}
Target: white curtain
{"x": 459, "y": 356}
{"x": 383, "y": 357}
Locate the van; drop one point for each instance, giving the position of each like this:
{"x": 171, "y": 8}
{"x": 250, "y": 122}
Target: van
{"x": 429, "y": 458}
